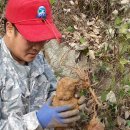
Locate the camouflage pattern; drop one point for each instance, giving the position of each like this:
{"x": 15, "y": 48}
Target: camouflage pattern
{"x": 23, "y": 90}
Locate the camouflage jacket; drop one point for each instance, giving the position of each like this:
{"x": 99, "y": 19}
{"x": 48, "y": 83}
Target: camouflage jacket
{"x": 23, "y": 90}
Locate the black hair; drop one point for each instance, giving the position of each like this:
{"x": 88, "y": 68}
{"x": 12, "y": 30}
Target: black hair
{"x": 4, "y": 22}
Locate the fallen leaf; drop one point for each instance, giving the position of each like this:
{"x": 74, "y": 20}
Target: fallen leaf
{"x": 115, "y": 12}
{"x": 127, "y": 114}
{"x": 124, "y": 1}
{"x": 71, "y": 2}
{"x": 121, "y": 121}
{"x": 111, "y": 97}
{"x": 126, "y": 88}
{"x": 91, "y": 54}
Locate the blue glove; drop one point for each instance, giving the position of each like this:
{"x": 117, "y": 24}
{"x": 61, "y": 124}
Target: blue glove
{"x": 51, "y": 117}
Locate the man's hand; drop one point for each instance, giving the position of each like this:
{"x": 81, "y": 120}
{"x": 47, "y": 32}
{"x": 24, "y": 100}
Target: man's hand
{"x": 50, "y": 117}
{"x": 81, "y": 103}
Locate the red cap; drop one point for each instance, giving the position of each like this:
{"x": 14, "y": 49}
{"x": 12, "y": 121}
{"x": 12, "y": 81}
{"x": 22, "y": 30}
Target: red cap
{"x": 33, "y": 19}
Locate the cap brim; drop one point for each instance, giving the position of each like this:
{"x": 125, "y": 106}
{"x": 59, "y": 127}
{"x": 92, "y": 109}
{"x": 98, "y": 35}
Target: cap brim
{"x": 39, "y": 32}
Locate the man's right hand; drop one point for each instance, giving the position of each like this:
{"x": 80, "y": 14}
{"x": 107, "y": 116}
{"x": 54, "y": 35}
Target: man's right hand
{"x": 51, "y": 117}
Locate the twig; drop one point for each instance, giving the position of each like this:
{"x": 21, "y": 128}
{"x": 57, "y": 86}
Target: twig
{"x": 94, "y": 96}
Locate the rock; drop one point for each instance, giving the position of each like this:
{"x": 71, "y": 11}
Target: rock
{"x": 62, "y": 58}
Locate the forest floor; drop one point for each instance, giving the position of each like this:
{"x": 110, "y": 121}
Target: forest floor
{"x": 101, "y": 31}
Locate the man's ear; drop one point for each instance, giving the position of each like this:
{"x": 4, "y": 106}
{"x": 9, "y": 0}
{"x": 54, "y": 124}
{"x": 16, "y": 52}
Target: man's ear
{"x": 9, "y": 29}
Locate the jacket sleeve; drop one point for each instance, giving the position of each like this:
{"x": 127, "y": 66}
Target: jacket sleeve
{"x": 16, "y": 122}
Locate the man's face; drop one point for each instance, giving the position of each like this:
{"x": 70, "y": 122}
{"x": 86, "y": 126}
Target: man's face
{"x": 22, "y": 50}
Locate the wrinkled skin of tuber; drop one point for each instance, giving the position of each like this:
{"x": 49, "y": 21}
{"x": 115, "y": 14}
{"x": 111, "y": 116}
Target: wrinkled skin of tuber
{"x": 95, "y": 124}
{"x": 65, "y": 92}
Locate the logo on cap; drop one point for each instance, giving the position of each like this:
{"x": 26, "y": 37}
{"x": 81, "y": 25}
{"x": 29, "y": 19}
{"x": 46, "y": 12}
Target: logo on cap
{"x": 42, "y": 12}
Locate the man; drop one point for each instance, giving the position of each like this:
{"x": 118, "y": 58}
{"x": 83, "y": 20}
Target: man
{"x": 26, "y": 80}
